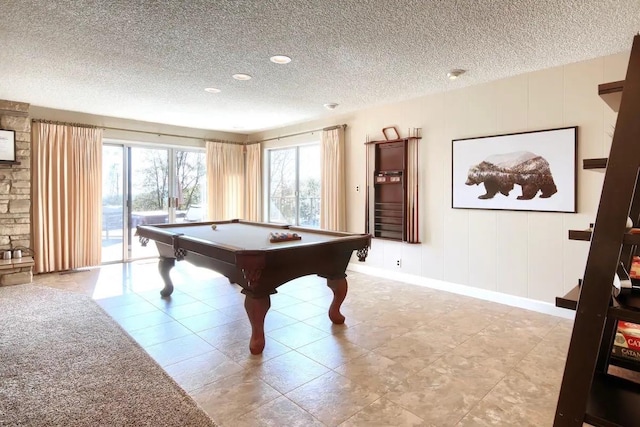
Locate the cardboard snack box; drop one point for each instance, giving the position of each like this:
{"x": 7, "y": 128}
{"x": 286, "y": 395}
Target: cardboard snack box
{"x": 627, "y": 341}
{"x": 634, "y": 271}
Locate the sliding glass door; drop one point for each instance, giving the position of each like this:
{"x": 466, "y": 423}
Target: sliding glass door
{"x": 294, "y": 185}
{"x": 148, "y": 196}
{"x": 145, "y": 185}
{"x": 113, "y": 203}
{"x": 191, "y": 185}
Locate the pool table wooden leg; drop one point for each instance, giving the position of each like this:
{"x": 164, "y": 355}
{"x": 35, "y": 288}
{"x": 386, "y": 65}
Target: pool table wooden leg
{"x": 256, "y": 311}
{"x": 339, "y": 288}
{"x": 164, "y": 266}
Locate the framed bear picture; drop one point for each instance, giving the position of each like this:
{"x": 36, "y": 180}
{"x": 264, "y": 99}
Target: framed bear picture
{"x": 528, "y": 171}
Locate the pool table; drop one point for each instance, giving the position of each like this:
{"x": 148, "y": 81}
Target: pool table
{"x": 242, "y": 251}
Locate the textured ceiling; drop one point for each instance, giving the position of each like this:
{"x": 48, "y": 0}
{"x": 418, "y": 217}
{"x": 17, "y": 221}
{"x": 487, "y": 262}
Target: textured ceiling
{"x": 151, "y": 60}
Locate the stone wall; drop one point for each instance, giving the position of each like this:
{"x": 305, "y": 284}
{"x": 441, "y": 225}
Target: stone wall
{"x": 15, "y": 181}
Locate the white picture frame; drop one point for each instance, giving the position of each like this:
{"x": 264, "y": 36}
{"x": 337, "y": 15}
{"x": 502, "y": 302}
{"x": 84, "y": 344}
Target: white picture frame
{"x": 527, "y": 171}
{"x": 7, "y": 146}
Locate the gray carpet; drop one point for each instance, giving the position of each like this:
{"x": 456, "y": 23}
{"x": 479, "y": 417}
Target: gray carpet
{"x": 64, "y": 362}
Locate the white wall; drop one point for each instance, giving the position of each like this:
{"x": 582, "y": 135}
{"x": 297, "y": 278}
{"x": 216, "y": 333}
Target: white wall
{"x": 525, "y": 254}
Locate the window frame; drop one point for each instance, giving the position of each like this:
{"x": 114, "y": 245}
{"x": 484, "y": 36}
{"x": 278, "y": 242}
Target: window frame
{"x": 172, "y": 149}
{"x": 267, "y": 179}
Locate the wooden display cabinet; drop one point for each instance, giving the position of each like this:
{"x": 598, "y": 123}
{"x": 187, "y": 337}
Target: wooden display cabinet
{"x": 393, "y": 218}
{"x": 390, "y": 190}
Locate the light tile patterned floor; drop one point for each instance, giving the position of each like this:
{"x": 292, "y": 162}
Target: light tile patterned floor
{"x": 407, "y": 355}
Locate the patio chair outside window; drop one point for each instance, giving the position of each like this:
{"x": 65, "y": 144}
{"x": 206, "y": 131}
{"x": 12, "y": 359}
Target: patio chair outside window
{"x": 195, "y": 213}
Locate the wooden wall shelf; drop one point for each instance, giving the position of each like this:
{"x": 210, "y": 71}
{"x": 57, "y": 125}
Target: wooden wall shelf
{"x": 629, "y": 312}
{"x": 570, "y": 300}
{"x": 594, "y": 163}
{"x": 611, "y": 93}
{"x": 585, "y": 235}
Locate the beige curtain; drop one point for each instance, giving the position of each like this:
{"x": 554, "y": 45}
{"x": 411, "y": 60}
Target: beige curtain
{"x": 225, "y": 180}
{"x": 67, "y": 190}
{"x": 332, "y": 187}
{"x": 253, "y": 182}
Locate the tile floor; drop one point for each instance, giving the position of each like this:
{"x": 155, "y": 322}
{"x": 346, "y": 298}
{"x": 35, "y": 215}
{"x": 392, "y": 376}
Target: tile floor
{"x": 407, "y": 355}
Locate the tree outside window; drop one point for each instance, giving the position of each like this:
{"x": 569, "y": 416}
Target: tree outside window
{"x": 153, "y": 191}
{"x": 294, "y": 185}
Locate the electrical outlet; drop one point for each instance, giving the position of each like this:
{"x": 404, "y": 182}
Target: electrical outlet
{"x": 399, "y": 262}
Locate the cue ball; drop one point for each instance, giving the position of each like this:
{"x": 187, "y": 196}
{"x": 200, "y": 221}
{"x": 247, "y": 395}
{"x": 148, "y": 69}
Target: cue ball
{"x": 213, "y": 226}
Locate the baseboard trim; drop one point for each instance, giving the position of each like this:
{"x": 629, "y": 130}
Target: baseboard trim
{"x": 484, "y": 294}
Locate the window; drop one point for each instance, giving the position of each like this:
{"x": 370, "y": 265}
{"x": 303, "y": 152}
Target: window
{"x": 146, "y": 184}
{"x": 294, "y": 185}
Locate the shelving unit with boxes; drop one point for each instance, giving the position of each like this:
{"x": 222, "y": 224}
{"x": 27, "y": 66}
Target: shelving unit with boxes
{"x": 589, "y": 392}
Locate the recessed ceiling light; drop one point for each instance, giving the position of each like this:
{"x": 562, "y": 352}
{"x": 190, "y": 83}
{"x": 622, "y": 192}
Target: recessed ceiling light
{"x": 242, "y": 76}
{"x": 211, "y": 90}
{"x": 330, "y": 106}
{"x": 454, "y": 74}
{"x": 280, "y": 59}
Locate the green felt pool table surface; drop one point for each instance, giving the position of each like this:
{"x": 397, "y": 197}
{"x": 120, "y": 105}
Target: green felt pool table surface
{"x": 247, "y": 236}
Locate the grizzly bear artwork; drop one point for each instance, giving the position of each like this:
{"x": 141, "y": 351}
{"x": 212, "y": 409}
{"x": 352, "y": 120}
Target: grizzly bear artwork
{"x": 500, "y": 172}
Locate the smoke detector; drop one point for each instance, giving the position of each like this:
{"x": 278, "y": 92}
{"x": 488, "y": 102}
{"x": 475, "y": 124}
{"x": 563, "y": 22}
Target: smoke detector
{"x": 330, "y": 106}
{"x": 454, "y": 74}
